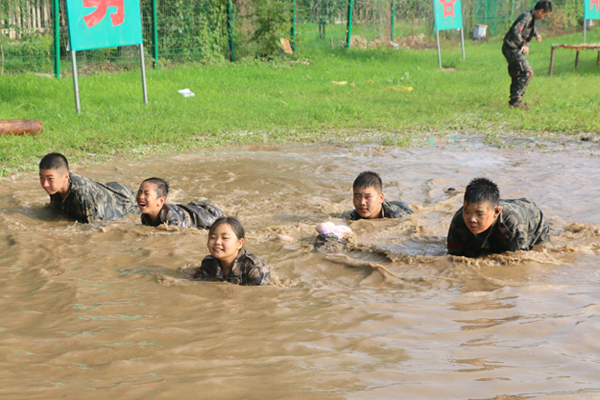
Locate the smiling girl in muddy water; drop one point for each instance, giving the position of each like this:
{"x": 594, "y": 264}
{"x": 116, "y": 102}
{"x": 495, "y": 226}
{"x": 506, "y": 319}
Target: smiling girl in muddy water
{"x": 228, "y": 260}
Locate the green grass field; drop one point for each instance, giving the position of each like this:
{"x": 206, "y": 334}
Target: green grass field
{"x": 254, "y": 102}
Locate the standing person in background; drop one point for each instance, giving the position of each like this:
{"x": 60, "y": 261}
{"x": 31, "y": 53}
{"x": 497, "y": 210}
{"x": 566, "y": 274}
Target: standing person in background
{"x": 516, "y": 46}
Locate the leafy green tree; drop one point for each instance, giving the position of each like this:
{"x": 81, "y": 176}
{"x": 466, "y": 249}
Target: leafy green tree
{"x": 272, "y": 22}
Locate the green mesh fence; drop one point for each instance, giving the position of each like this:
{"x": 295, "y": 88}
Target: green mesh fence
{"x": 181, "y": 31}
{"x": 321, "y": 23}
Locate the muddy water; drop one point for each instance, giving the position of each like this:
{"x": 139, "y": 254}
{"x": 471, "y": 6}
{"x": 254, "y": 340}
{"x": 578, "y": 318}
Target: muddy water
{"x": 91, "y": 311}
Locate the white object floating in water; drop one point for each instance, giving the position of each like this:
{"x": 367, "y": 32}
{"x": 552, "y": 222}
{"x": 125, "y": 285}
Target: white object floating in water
{"x": 325, "y": 228}
{"x": 186, "y": 92}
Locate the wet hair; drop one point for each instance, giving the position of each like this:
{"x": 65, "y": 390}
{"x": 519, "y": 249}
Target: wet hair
{"x": 162, "y": 187}
{"x": 544, "y": 5}
{"x": 368, "y": 178}
{"x": 480, "y": 190}
{"x": 236, "y": 226}
{"x": 54, "y": 161}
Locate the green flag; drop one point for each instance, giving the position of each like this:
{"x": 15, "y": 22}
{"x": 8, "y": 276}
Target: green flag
{"x": 95, "y": 24}
{"x": 448, "y": 14}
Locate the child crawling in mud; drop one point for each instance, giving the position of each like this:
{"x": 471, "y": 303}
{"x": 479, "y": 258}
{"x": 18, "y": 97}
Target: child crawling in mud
{"x": 81, "y": 198}
{"x": 151, "y": 199}
{"x": 368, "y": 199}
{"x": 485, "y": 224}
{"x": 369, "y": 203}
{"x": 228, "y": 261}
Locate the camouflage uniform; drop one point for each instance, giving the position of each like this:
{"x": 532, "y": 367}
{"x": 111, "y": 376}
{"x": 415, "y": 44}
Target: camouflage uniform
{"x": 520, "y": 225}
{"x": 89, "y": 201}
{"x": 196, "y": 214}
{"x": 329, "y": 243}
{"x": 518, "y": 36}
{"x": 247, "y": 269}
{"x": 389, "y": 209}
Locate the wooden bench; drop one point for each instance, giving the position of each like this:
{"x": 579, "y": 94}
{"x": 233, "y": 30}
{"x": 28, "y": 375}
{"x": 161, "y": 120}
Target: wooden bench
{"x": 577, "y": 47}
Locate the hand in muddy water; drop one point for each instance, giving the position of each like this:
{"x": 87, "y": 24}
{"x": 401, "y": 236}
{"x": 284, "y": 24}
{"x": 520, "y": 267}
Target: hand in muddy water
{"x": 285, "y": 238}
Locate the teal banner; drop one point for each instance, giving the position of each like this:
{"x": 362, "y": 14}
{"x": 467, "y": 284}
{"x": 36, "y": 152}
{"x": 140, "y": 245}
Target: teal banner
{"x": 448, "y": 14}
{"x": 591, "y": 9}
{"x": 95, "y": 24}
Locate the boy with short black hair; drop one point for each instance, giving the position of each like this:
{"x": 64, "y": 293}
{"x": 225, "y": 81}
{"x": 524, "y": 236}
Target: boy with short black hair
{"x": 368, "y": 199}
{"x": 485, "y": 224}
{"x": 516, "y": 46}
{"x": 151, "y": 199}
{"x": 80, "y": 198}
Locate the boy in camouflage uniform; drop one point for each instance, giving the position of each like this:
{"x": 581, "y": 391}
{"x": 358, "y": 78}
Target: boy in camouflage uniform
{"x": 81, "y": 198}
{"x": 369, "y": 203}
{"x": 516, "y": 46}
{"x": 486, "y": 224}
{"x": 151, "y": 199}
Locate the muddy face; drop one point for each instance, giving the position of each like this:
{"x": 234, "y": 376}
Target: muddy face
{"x": 108, "y": 310}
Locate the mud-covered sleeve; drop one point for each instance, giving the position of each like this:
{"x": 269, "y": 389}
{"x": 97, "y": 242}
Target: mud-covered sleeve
{"x": 174, "y": 217}
{"x": 203, "y": 214}
{"x": 517, "y": 231}
{"x": 350, "y": 215}
{"x": 85, "y": 207}
{"x": 456, "y": 241}
{"x": 257, "y": 270}
{"x": 399, "y": 209}
{"x": 206, "y": 270}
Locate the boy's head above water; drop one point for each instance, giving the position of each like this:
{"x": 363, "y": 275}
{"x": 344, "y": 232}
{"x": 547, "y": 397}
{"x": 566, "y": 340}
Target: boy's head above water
{"x": 54, "y": 173}
{"x": 152, "y": 195}
{"x": 367, "y": 194}
{"x": 480, "y": 207}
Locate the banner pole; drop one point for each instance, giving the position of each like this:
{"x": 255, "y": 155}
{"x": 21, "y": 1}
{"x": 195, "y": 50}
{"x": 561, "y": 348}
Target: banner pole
{"x": 56, "y": 27}
{"x": 349, "y": 24}
{"x": 155, "y": 33}
{"x": 293, "y": 32}
{"x": 583, "y": 30}
{"x": 462, "y": 42}
{"x": 437, "y": 38}
{"x": 392, "y": 18}
{"x": 145, "y": 90}
{"x": 75, "y": 81}
{"x": 230, "y": 26}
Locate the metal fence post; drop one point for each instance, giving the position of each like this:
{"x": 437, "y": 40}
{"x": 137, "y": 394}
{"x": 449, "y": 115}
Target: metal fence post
{"x": 349, "y": 26}
{"x": 56, "y": 23}
{"x": 393, "y": 12}
{"x": 230, "y": 22}
{"x": 293, "y": 26}
{"x": 154, "y": 34}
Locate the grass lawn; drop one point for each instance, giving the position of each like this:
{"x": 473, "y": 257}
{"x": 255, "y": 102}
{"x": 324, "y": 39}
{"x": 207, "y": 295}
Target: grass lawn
{"x": 252, "y": 102}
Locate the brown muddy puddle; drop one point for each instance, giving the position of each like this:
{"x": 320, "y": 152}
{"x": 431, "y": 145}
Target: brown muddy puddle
{"x": 91, "y": 311}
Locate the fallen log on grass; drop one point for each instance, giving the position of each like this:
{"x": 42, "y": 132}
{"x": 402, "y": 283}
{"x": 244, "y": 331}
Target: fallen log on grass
{"x": 20, "y": 127}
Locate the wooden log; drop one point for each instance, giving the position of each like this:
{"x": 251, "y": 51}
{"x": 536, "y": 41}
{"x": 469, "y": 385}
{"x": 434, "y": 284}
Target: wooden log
{"x": 20, "y": 127}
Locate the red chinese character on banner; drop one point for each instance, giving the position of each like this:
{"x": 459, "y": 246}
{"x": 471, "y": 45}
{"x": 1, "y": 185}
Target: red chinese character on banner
{"x": 448, "y": 6}
{"x": 594, "y": 3}
{"x": 100, "y": 12}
